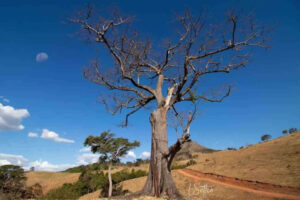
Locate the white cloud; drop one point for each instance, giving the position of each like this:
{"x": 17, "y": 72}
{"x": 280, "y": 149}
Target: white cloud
{"x": 130, "y": 154}
{"x": 11, "y": 118}
{"x": 46, "y": 166}
{"x": 7, "y": 159}
{"x": 85, "y": 149}
{"x": 4, "y": 162}
{"x": 4, "y": 99}
{"x": 146, "y": 155}
{"x": 31, "y": 134}
{"x": 12, "y": 159}
{"x": 87, "y": 158}
{"x": 51, "y": 135}
{"x": 41, "y": 57}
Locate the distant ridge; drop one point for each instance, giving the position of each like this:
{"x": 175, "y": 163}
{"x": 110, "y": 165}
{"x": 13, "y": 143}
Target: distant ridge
{"x": 191, "y": 147}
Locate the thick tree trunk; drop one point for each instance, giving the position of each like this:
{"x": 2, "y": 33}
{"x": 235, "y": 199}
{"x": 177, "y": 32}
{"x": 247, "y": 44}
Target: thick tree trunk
{"x": 160, "y": 181}
{"x": 109, "y": 180}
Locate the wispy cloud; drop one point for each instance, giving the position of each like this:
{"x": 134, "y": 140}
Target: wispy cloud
{"x": 46, "y": 166}
{"x": 11, "y": 118}
{"x": 41, "y": 57}
{"x": 87, "y": 158}
{"x": 5, "y": 100}
{"x": 51, "y": 135}
{"x": 85, "y": 149}
{"x": 31, "y": 134}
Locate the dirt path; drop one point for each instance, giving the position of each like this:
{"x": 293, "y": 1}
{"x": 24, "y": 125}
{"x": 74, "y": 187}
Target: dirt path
{"x": 259, "y": 188}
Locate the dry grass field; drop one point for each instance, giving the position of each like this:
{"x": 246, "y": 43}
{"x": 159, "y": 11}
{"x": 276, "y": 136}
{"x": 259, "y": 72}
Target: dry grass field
{"x": 276, "y": 161}
{"x": 50, "y": 180}
{"x": 190, "y": 189}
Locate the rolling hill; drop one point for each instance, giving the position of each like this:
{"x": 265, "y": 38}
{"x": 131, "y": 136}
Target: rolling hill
{"x": 190, "y": 148}
{"x": 276, "y": 161}
{"x": 50, "y": 180}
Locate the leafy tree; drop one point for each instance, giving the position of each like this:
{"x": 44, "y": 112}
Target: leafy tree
{"x": 142, "y": 74}
{"x": 265, "y": 137}
{"x": 292, "y": 130}
{"x": 110, "y": 150}
{"x": 284, "y": 132}
{"x": 12, "y": 181}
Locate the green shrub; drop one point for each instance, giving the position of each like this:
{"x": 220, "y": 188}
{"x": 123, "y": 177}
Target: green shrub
{"x": 189, "y": 163}
{"x": 90, "y": 181}
{"x": 126, "y": 175}
{"x": 67, "y": 191}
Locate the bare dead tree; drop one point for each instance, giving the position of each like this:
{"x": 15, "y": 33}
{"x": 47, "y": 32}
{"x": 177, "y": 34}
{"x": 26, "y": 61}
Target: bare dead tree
{"x": 138, "y": 77}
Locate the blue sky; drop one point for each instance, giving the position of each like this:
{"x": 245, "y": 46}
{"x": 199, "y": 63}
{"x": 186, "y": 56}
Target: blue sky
{"x": 58, "y": 99}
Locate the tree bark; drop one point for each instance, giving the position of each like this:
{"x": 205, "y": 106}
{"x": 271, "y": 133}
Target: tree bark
{"x": 109, "y": 180}
{"x": 160, "y": 181}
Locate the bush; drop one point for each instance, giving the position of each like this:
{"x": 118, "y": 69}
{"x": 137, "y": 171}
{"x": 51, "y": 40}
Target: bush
{"x": 94, "y": 167}
{"x": 34, "y": 191}
{"x": 292, "y": 130}
{"x": 231, "y": 148}
{"x": 189, "y": 163}
{"x": 90, "y": 181}
{"x": 265, "y": 137}
{"x": 67, "y": 191}
{"x": 125, "y": 175}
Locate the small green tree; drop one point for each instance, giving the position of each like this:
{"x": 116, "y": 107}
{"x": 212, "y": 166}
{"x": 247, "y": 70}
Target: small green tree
{"x": 292, "y": 130}
{"x": 284, "y": 132}
{"x": 110, "y": 150}
{"x": 265, "y": 137}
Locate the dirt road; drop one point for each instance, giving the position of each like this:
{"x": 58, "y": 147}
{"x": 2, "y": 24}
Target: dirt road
{"x": 263, "y": 189}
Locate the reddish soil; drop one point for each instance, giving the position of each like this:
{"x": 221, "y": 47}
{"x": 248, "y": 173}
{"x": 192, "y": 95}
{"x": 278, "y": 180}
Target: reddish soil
{"x": 263, "y": 189}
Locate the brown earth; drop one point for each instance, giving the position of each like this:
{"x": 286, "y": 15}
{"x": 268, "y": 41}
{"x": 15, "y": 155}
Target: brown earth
{"x": 263, "y": 189}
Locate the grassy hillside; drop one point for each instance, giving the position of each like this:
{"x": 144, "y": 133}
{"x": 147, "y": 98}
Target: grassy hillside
{"x": 189, "y": 148}
{"x": 276, "y": 161}
{"x": 50, "y": 180}
{"x": 188, "y": 188}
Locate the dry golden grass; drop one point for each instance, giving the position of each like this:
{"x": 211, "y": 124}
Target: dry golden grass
{"x": 192, "y": 190}
{"x": 276, "y": 161}
{"x": 50, "y": 180}
{"x": 134, "y": 185}
{"x": 91, "y": 196}
{"x": 188, "y": 188}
